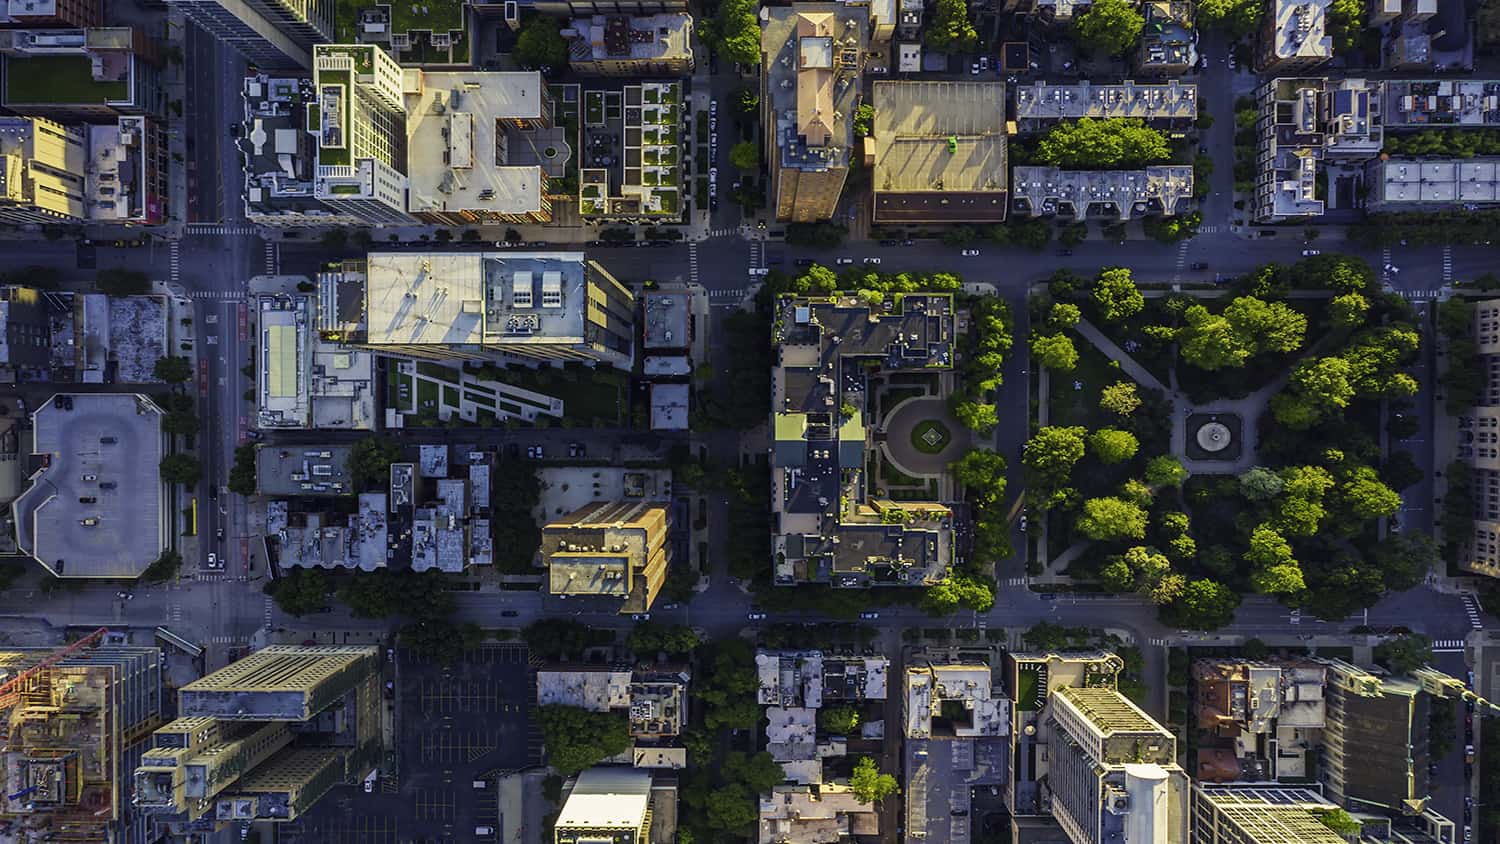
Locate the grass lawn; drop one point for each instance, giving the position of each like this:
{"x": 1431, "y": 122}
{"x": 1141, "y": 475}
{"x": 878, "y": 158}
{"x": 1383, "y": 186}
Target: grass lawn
{"x": 434, "y": 15}
{"x": 427, "y": 395}
{"x": 930, "y": 436}
{"x": 1028, "y": 679}
{"x": 1069, "y": 406}
{"x": 442, "y": 373}
{"x": 890, "y": 476}
{"x": 893, "y": 396}
{"x": 587, "y": 394}
{"x": 450, "y": 397}
{"x": 57, "y": 79}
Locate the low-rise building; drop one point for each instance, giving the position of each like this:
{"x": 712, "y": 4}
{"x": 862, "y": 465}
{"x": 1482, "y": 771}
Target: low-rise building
{"x": 648, "y": 184}
{"x": 427, "y": 35}
{"x": 654, "y": 701}
{"x": 1165, "y": 104}
{"x": 1302, "y": 124}
{"x": 325, "y": 538}
{"x": 303, "y": 470}
{"x": 938, "y": 152}
{"x": 96, "y": 505}
{"x": 473, "y": 151}
{"x": 304, "y": 381}
{"x": 815, "y": 814}
{"x": 612, "y": 804}
{"x": 608, "y": 550}
{"x": 79, "y": 13}
{"x": 1447, "y": 184}
{"x": 957, "y": 726}
{"x": 806, "y": 678}
{"x": 1294, "y": 36}
{"x": 828, "y": 527}
{"x": 1169, "y": 41}
{"x": 1258, "y": 721}
{"x": 1439, "y": 103}
{"x": 1261, "y": 814}
{"x": 42, "y": 166}
{"x": 126, "y": 180}
{"x": 91, "y": 75}
{"x": 1119, "y": 195}
{"x": 631, "y": 45}
{"x": 25, "y": 335}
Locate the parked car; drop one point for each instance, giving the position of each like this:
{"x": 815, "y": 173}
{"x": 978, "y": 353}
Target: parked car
{"x": 872, "y": 260}
{"x": 869, "y": 616}
{"x": 1308, "y": 253}
{"x": 508, "y": 613}
{"x": 640, "y": 616}
{"x": 804, "y": 262}
{"x": 1198, "y": 265}
{"x": 970, "y": 253}
{"x": 756, "y": 616}
{"x": 213, "y": 560}
{"x": 843, "y": 261}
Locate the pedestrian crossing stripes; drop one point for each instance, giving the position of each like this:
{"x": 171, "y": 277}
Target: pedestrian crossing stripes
{"x": 226, "y": 640}
{"x": 214, "y": 228}
{"x": 268, "y": 614}
{"x": 723, "y": 232}
{"x": 234, "y": 295}
{"x": 1182, "y": 248}
{"x": 693, "y": 261}
{"x": 1471, "y": 609}
{"x": 731, "y": 293}
{"x": 174, "y": 259}
{"x": 1209, "y": 229}
{"x": 1015, "y": 581}
{"x": 757, "y": 253}
{"x": 1420, "y": 294}
{"x": 1385, "y": 258}
{"x": 273, "y": 258}
{"x": 1160, "y": 643}
{"x": 1447, "y": 264}
{"x": 1448, "y": 644}
{"x": 174, "y": 612}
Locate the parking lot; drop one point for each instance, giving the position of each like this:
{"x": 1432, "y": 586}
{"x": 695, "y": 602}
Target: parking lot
{"x": 457, "y": 724}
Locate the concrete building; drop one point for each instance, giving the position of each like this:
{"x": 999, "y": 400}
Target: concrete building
{"x": 42, "y": 171}
{"x": 820, "y": 814}
{"x": 425, "y": 35}
{"x": 654, "y": 701}
{"x": 1446, "y": 184}
{"x": 25, "y": 335}
{"x": 1032, "y": 677}
{"x": 1113, "y": 771}
{"x": 606, "y": 804}
{"x": 828, "y": 528}
{"x": 473, "y": 153}
{"x": 81, "y": 75}
{"x": 631, "y": 45}
{"x": 50, "y": 13}
{"x": 126, "y": 179}
{"x": 1114, "y": 195}
{"x": 1441, "y": 103}
{"x": 360, "y": 123}
{"x": 302, "y": 470}
{"x": 667, "y": 321}
{"x": 303, "y": 538}
{"x": 264, "y": 738}
{"x": 545, "y": 306}
{"x": 649, "y": 184}
{"x": 1169, "y": 41}
{"x": 1258, "y": 721}
{"x": 1375, "y": 747}
{"x": 304, "y": 381}
{"x": 1304, "y": 123}
{"x": 96, "y": 506}
{"x": 280, "y": 151}
{"x": 807, "y": 678}
{"x": 271, "y": 34}
{"x": 939, "y": 152}
{"x": 811, "y": 65}
{"x": 615, "y": 551}
{"x": 74, "y": 722}
{"x": 1294, "y": 36}
{"x": 669, "y": 407}
{"x": 1261, "y": 814}
{"x": 957, "y": 725}
{"x": 1163, "y": 104}
{"x": 1479, "y": 553}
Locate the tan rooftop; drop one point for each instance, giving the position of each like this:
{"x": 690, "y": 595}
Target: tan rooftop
{"x": 815, "y": 77}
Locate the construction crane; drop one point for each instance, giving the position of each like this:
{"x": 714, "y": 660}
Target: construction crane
{"x": 11, "y": 691}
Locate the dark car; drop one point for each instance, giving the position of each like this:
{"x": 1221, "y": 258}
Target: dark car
{"x": 804, "y": 262}
{"x": 509, "y": 613}
{"x": 1198, "y": 265}
{"x": 890, "y": 243}
{"x": 661, "y": 244}
{"x": 595, "y": 244}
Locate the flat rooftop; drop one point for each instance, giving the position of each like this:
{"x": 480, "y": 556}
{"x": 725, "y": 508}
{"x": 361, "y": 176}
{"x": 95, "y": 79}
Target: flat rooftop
{"x": 1122, "y": 193}
{"x": 603, "y": 38}
{"x": 808, "y": 47}
{"x": 280, "y": 156}
{"x": 303, "y": 470}
{"x": 460, "y": 156}
{"x": 666, "y": 319}
{"x": 1148, "y": 101}
{"x": 1300, "y": 30}
{"x": 97, "y": 506}
{"x": 606, "y": 798}
{"x": 1441, "y": 102}
{"x": 1450, "y": 181}
{"x": 944, "y": 140}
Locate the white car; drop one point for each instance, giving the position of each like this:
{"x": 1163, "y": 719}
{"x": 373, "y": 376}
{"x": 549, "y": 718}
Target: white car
{"x": 713, "y": 107}
{"x": 843, "y": 261}
{"x": 213, "y": 560}
{"x": 756, "y": 616}
{"x": 971, "y": 253}
{"x": 872, "y": 260}
{"x": 1308, "y": 253}
{"x": 869, "y": 616}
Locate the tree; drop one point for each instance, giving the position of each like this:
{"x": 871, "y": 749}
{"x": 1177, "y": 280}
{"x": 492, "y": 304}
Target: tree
{"x": 981, "y": 471}
{"x": 242, "y": 479}
{"x": 1348, "y": 310}
{"x": 334, "y": 240}
{"x": 1260, "y": 484}
{"x": 117, "y": 282}
{"x": 1248, "y": 326}
{"x": 1236, "y": 17}
{"x": 1111, "y": 445}
{"x": 864, "y": 120}
{"x": 731, "y": 807}
{"x": 979, "y": 417}
{"x": 1405, "y": 559}
{"x": 959, "y": 590}
{"x": 561, "y": 639}
{"x": 869, "y": 784}
{"x": 950, "y": 30}
{"x": 1054, "y": 351}
{"x": 1341, "y": 822}
{"x": 1368, "y": 498}
{"x": 1346, "y": 24}
{"x": 1051, "y": 453}
{"x": 1120, "y": 397}
{"x": 173, "y": 369}
{"x": 747, "y": 102}
{"x": 1102, "y": 144}
{"x": 577, "y": 739}
{"x": 838, "y": 720}
{"x": 163, "y": 569}
{"x": 541, "y": 44}
{"x": 1268, "y": 548}
{"x": 1300, "y": 510}
{"x": 1165, "y": 470}
{"x": 745, "y": 155}
{"x": 758, "y": 772}
{"x": 1109, "y": 26}
{"x": 1116, "y": 294}
{"x": 734, "y": 32}
{"x": 649, "y": 638}
{"x": 441, "y": 640}
{"x": 370, "y": 461}
{"x": 1404, "y": 654}
{"x": 181, "y": 469}
{"x": 301, "y": 591}
{"x": 1278, "y": 580}
{"x": 1063, "y": 315}
{"x": 1112, "y": 518}
{"x": 1203, "y": 605}
{"x": 385, "y": 593}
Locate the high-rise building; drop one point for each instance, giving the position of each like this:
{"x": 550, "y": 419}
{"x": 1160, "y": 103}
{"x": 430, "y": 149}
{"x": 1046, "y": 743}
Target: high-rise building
{"x": 41, "y": 171}
{"x": 609, "y": 550}
{"x": 272, "y": 34}
{"x": 52, "y": 12}
{"x": 265, "y": 737}
{"x": 1375, "y": 743}
{"x": 1261, "y": 813}
{"x": 92, "y": 75}
{"x": 360, "y": 122}
{"x": 811, "y": 55}
{"x": 75, "y": 721}
{"x": 1113, "y": 771}
{"x": 25, "y": 333}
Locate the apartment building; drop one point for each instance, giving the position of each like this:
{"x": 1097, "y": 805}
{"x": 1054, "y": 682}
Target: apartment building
{"x": 359, "y": 120}
{"x": 1302, "y": 124}
{"x": 1166, "y": 105}
{"x": 52, "y": 13}
{"x": 609, "y": 550}
{"x": 938, "y": 152}
{"x": 1111, "y": 195}
{"x": 631, "y": 45}
{"x": 1294, "y": 36}
{"x": 43, "y": 174}
{"x": 89, "y": 75}
{"x": 271, "y": 34}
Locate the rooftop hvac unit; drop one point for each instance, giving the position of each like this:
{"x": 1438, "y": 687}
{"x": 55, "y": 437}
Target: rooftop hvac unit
{"x": 552, "y": 296}
{"x": 521, "y": 290}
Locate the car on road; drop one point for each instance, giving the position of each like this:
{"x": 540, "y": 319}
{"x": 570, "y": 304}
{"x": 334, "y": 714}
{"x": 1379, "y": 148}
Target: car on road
{"x": 1470, "y": 679}
{"x": 970, "y": 253}
{"x": 804, "y": 262}
{"x": 713, "y": 107}
{"x": 508, "y": 613}
{"x": 908, "y": 243}
{"x": 672, "y": 606}
{"x": 890, "y": 243}
{"x": 974, "y": 68}
{"x": 984, "y": 63}
{"x": 577, "y": 450}
{"x": 219, "y": 534}
{"x": 640, "y": 616}
{"x": 1308, "y": 253}
{"x": 1023, "y": 522}
{"x": 713, "y": 123}
{"x": 756, "y": 616}
{"x": 1392, "y": 268}
{"x": 872, "y": 260}
{"x": 869, "y": 616}
{"x": 1063, "y": 253}
{"x": 1198, "y": 265}
{"x": 843, "y": 261}
{"x": 713, "y": 203}
{"x": 213, "y": 560}
{"x": 253, "y": 435}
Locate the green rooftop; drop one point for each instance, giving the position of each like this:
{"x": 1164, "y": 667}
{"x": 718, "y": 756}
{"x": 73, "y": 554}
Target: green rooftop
{"x": 63, "y": 80}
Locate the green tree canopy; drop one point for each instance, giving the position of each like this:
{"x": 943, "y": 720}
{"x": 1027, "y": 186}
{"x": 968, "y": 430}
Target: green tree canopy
{"x": 864, "y": 120}
{"x": 1366, "y": 497}
{"x": 1120, "y": 397}
{"x": 300, "y": 591}
{"x": 869, "y": 784}
{"x": 577, "y": 739}
{"x": 242, "y": 478}
{"x": 959, "y": 590}
{"x": 1063, "y": 315}
{"x": 1203, "y": 605}
{"x": 838, "y": 720}
{"x": 1248, "y": 326}
{"x": 1102, "y": 144}
{"x": 1112, "y": 445}
{"x": 981, "y": 471}
{"x": 1051, "y": 453}
{"x": 980, "y": 417}
{"x": 1112, "y": 518}
{"x": 174, "y": 369}
{"x": 950, "y": 30}
{"x": 1404, "y": 654}
{"x": 758, "y": 772}
{"x": 1116, "y": 295}
{"x": 1348, "y": 310}
{"x": 1054, "y": 351}
{"x": 1236, "y": 17}
{"x": 649, "y": 638}
{"x": 745, "y": 155}
{"x": 734, "y": 31}
{"x": 370, "y": 461}
{"x": 181, "y": 469}
{"x": 1109, "y": 26}
{"x": 541, "y": 44}
{"x": 1165, "y": 470}
{"x": 1260, "y": 484}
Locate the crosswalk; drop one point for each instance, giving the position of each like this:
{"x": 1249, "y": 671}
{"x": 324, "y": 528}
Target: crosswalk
{"x": 174, "y": 260}
{"x": 723, "y": 232}
{"x": 693, "y": 261}
{"x": 1160, "y": 643}
{"x": 1421, "y": 294}
{"x": 234, "y": 295}
{"x": 273, "y": 257}
{"x": 226, "y": 640}
{"x": 215, "y": 228}
{"x": 174, "y": 612}
{"x": 734, "y": 293}
{"x": 1210, "y": 229}
{"x": 269, "y": 604}
{"x": 1447, "y": 264}
{"x": 1385, "y": 256}
{"x": 1448, "y": 644}
{"x": 1182, "y": 248}
{"x": 1471, "y": 609}
{"x": 757, "y": 253}
{"x": 1015, "y": 581}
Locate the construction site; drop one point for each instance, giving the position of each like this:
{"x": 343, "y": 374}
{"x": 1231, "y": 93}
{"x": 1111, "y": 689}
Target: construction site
{"x": 75, "y": 720}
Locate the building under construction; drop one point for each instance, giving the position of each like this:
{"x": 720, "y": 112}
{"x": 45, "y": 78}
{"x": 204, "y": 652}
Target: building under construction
{"x": 264, "y": 738}
{"x": 75, "y": 722}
